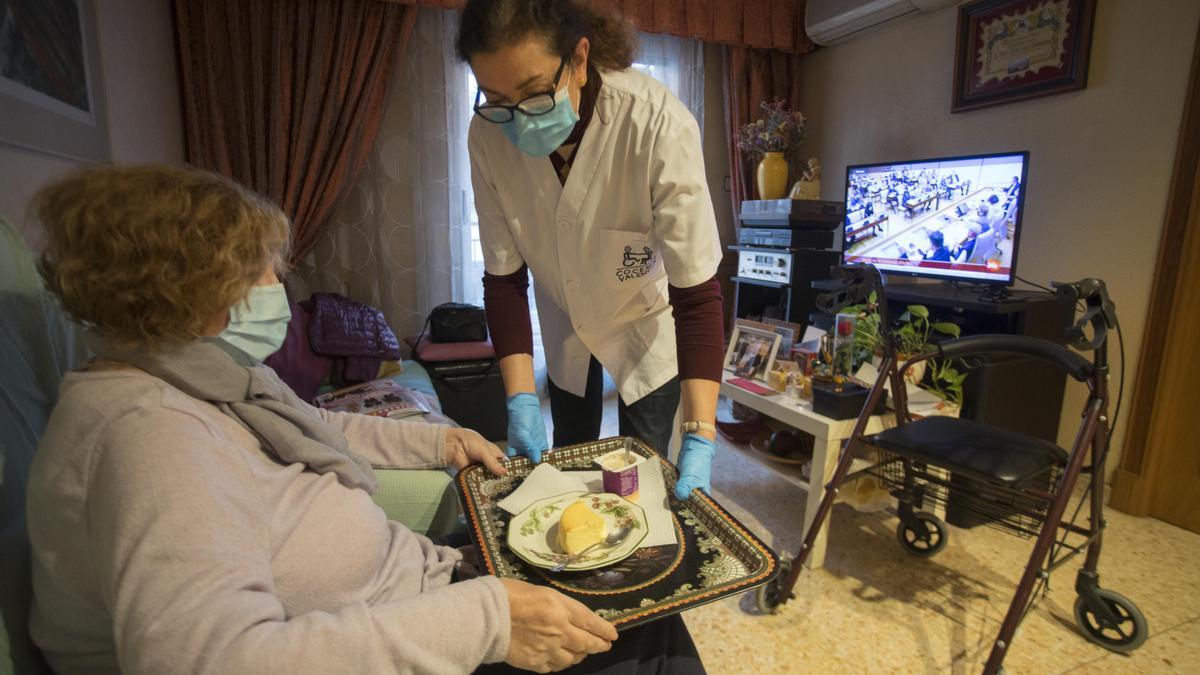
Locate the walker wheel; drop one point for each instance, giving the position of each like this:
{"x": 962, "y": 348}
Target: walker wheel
{"x": 926, "y": 539}
{"x": 768, "y": 596}
{"x": 1127, "y": 635}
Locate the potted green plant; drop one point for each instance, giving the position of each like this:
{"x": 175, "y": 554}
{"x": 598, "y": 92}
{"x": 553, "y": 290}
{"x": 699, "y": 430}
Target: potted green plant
{"x": 912, "y": 333}
{"x": 946, "y": 381}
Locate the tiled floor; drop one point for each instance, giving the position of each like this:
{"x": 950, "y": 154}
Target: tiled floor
{"x": 876, "y": 609}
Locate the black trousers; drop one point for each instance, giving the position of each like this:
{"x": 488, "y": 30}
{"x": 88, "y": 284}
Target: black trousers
{"x": 657, "y": 648}
{"x": 577, "y": 418}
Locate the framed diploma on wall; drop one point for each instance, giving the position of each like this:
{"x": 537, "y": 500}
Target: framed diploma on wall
{"x": 1009, "y": 50}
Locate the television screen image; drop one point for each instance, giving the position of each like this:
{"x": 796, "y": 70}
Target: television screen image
{"x": 957, "y": 218}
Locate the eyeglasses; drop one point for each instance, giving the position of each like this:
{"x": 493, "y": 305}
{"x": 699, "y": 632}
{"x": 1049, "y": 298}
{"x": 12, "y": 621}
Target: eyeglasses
{"x": 538, "y": 104}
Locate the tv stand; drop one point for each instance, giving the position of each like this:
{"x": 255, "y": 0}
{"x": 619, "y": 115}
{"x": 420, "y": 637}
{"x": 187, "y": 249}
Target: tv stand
{"x": 1017, "y": 393}
{"x": 996, "y": 294}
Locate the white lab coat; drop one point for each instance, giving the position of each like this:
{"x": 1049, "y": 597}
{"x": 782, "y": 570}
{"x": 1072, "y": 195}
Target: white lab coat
{"x": 634, "y": 215}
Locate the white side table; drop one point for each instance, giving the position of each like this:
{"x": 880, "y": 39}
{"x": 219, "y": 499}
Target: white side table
{"x": 829, "y": 434}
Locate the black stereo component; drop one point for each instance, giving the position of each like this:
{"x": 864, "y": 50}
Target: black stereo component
{"x": 793, "y": 214}
{"x": 782, "y": 246}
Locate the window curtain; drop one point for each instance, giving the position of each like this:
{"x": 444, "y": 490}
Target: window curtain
{"x": 679, "y": 64}
{"x": 752, "y": 77}
{"x": 397, "y": 240}
{"x": 286, "y": 96}
{"x": 761, "y": 24}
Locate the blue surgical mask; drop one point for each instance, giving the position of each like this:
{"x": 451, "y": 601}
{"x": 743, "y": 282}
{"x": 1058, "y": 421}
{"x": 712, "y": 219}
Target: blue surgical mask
{"x": 257, "y": 325}
{"x": 540, "y": 135}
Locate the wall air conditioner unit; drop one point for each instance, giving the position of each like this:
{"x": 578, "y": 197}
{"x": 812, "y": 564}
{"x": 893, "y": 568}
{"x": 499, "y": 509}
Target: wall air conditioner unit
{"x": 831, "y": 22}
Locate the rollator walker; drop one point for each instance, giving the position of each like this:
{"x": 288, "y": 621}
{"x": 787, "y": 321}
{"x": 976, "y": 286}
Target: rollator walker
{"x": 1018, "y": 483}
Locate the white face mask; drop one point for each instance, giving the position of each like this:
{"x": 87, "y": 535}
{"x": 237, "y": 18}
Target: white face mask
{"x": 257, "y": 325}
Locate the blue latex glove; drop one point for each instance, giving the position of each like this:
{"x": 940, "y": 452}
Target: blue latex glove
{"x": 526, "y": 428}
{"x": 695, "y": 465}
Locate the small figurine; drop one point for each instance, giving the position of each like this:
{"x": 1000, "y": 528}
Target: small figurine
{"x": 809, "y": 185}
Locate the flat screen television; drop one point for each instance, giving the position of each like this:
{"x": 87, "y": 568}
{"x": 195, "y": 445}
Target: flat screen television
{"x": 956, "y": 218}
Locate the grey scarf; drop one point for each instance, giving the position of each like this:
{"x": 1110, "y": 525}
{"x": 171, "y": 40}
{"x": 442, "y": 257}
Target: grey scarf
{"x": 263, "y": 405}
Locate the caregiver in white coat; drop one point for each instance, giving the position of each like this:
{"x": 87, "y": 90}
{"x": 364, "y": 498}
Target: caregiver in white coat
{"x": 589, "y": 175}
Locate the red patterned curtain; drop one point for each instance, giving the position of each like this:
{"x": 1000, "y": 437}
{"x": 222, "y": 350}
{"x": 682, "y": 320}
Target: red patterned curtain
{"x": 754, "y": 76}
{"x": 761, "y": 24}
{"x": 286, "y": 96}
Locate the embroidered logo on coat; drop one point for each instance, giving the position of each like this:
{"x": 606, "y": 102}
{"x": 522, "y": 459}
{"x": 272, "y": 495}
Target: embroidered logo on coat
{"x": 635, "y": 264}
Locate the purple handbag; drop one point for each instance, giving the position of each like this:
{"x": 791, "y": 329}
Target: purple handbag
{"x": 354, "y": 334}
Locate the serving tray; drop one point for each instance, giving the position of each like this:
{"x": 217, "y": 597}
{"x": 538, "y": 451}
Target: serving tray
{"x": 716, "y": 555}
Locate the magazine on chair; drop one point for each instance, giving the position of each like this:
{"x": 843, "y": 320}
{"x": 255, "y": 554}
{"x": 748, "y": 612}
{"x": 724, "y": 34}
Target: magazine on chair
{"x": 381, "y": 398}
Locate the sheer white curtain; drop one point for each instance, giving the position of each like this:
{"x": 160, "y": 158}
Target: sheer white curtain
{"x": 679, "y": 64}
{"x": 401, "y": 239}
{"x": 460, "y": 96}
{"x": 406, "y": 238}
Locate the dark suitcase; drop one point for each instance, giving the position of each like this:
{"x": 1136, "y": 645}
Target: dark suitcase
{"x": 472, "y": 394}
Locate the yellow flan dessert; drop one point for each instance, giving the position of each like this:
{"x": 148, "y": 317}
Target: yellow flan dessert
{"x": 579, "y": 528}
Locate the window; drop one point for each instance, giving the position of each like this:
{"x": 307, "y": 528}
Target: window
{"x": 679, "y": 64}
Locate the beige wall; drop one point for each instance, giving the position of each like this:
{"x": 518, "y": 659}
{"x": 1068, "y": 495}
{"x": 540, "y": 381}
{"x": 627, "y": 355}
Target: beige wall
{"x": 1101, "y": 158}
{"x": 137, "y": 58}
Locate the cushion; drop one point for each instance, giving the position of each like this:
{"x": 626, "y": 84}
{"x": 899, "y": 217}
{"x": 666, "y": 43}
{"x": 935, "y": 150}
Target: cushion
{"x": 423, "y": 500}
{"x": 973, "y": 450}
{"x": 428, "y": 350}
{"x": 38, "y": 343}
{"x": 296, "y": 363}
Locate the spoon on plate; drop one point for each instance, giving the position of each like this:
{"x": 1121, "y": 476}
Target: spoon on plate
{"x": 615, "y": 537}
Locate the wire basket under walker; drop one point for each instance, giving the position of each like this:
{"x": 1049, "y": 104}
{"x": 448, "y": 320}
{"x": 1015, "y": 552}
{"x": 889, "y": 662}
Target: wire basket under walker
{"x": 1021, "y": 510}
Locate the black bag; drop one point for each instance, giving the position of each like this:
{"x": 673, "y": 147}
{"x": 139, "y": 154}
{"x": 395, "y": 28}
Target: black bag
{"x": 456, "y": 322}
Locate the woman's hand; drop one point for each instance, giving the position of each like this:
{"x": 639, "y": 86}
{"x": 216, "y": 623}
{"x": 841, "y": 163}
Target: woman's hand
{"x": 551, "y": 631}
{"x": 526, "y": 428}
{"x": 695, "y": 465}
{"x": 464, "y": 446}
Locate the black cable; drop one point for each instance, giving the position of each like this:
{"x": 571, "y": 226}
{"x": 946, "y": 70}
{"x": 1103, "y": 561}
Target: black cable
{"x": 1038, "y": 286}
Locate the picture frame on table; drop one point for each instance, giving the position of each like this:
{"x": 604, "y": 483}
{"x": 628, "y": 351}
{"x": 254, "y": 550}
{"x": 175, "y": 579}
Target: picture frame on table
{"x": 51, "y": 89}
{"x": 789, "y": 332}
{"x": 751, "y": 352}
{"x": 1012, "y": 50}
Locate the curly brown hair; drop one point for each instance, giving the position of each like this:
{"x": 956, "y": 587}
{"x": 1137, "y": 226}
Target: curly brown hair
{"x": 151, "y": 254}
{"x": 488, "y": 25}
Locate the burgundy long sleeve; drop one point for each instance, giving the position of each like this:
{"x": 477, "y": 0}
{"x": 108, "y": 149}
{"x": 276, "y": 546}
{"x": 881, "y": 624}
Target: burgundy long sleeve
{"x": 699, "y": 330}
{"x": 506, "y": 303}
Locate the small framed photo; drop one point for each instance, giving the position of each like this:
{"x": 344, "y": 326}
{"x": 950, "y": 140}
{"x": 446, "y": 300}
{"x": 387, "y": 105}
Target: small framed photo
{"x": 751, "y": 352}
{"x": 791, "y": 332}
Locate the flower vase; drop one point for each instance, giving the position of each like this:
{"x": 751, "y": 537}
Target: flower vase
{"x": 772, "y": 176}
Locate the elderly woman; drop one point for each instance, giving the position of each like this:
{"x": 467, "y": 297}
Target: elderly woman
{"x": 189, "y": 513}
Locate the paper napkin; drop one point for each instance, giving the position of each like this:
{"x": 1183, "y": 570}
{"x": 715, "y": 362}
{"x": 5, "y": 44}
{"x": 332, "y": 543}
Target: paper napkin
{"x": 547, "y": 481}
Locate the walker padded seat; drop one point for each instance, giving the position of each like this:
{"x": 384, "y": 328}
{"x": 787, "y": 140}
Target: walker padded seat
{"x": 973, "y": 450}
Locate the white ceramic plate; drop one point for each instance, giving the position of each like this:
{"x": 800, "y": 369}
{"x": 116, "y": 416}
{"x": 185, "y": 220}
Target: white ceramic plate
{"x": 533, "y": 533}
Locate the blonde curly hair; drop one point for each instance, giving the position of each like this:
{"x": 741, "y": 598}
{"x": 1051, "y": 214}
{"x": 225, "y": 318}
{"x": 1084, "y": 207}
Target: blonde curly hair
{"x": 151, "y": 254}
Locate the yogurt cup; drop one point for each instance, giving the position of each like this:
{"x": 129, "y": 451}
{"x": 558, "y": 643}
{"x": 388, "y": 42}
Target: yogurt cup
{"x": 620, "y": 477}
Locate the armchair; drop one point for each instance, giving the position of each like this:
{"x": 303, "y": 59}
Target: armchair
{"x": 38, "y": 343}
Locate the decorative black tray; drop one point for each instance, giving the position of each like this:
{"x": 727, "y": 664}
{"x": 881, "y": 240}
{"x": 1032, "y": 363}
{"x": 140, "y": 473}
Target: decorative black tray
{"x": 716, "y": 555}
